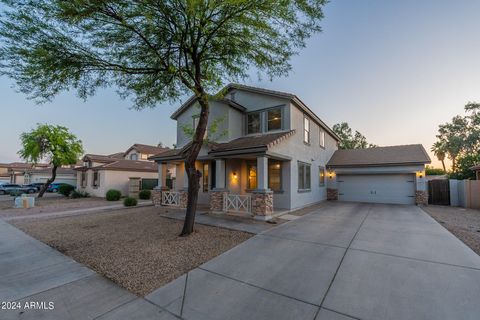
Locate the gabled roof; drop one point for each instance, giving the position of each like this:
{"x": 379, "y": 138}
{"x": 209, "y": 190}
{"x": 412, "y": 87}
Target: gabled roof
{"x": 146, "y": 149}
{"x": 290, "y": 96}
{"x": 125, "y": 165}
{"x": 98, "y": 158}
{"x": 380, "y": 156}
{"x": 49, "y": 170}
{"x": 117, "y": 155}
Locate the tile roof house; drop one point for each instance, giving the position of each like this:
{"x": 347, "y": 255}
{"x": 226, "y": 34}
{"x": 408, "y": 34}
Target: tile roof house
{"x": 270, "y": 154}
{"x": 477, "y": 171}
{"x": 101, "y": 173}
{"x": 14, "y": 172}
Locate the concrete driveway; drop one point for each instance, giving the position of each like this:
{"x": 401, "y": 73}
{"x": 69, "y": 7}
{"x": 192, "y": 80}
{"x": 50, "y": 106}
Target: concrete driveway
{"x": 345, "y": 261}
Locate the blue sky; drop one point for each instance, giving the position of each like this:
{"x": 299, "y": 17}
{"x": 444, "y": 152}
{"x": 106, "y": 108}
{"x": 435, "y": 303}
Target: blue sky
{"x": 394, "y": 70}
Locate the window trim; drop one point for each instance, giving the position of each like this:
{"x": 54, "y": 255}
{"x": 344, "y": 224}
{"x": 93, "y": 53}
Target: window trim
{"x": 280, "y": 173}
{"x": 305, "y": 165}
{"x": 260, "y": 129}
{"x": 320, "y": 182}
{"x": 97, "y": 181}
{"x": 306, "y": 118}
{"x": 321, "y": 138}
{"x": 281, "y": 108}
{"x": 263, "y": 114}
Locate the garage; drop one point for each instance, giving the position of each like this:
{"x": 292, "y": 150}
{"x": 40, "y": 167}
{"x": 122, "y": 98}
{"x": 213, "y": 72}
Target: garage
{"x": 394, "y": 174}
{"x": 377, "y": 188}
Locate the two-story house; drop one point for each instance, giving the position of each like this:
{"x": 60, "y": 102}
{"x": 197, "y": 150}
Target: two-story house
{"x": 268, "y": 153}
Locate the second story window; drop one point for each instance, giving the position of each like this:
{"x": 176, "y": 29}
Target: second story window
{"x": 274, "y": 119}
{"x": 306, "y": 130}
{"x": 254, "y": 124}
{"x": 322, "y": 138}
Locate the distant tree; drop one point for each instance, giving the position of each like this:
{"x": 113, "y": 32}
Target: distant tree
{"x": 152, "y": 50}
{"x": 54, "y": 144}
{"x": 350, "y": 140}
{"x": 440, "y": 151}
{"x": 431, "y": 171}
{"x": 464, "y": 163}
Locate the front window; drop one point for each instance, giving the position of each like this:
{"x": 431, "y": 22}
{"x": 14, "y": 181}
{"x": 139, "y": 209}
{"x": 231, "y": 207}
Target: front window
{"x": 321, "y": 176}
{"x": 254, "y": 123}
{"x": 274, "y": 119}
{"x": 306, "y": 130}
{"x": 322, "y": 138}
{"x": 144, "y": 156}
{"x": 274, "y": 175}
{"x": 304, "y": 176}
{"x": 96, "y": 180}
{"x": 84, "y": 179}
{"x": 205, "y": 177}
{"x": 251, "y": 176}
{"x": 134, "y": 156}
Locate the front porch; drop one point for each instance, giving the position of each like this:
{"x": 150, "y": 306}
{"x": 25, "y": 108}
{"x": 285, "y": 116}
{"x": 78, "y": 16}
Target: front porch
{"x": 249, "y": 185}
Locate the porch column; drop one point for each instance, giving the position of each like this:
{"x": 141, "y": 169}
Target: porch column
{"x": 162, "y": 175}
{"x": 262, "y": 173}
{"x": 220, "y": 174}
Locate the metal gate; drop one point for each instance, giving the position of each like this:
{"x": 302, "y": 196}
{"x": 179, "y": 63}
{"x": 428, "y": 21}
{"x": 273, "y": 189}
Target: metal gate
{"x": 439, "y": 192}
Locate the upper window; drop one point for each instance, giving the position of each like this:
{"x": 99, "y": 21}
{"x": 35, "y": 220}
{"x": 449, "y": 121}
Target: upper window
{"x": 254, "y": 124}
{"x": 306, "y": 130}
{"x": 274, "y": 175}
{"x": 322, "y": 138}
{"x": 321, "y": 176}
{"x": 304, "y": 176}
{"x": 274, "y": 119}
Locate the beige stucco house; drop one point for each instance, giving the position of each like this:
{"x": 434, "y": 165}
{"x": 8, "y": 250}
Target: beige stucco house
{"x": 14, "y": 172}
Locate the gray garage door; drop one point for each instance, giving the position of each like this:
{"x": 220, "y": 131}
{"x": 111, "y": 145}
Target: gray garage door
{"x": 378, "y": 188}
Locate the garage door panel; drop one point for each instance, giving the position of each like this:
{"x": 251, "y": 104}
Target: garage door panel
{"x": 381, "y": 188}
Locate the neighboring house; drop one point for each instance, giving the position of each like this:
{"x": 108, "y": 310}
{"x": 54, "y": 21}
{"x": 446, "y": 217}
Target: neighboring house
{"x": 101, "y": 173}
{"x": 477, "y": 171}
{"x": 66, "y": 175}
{"x": 14, "y": 172}
{"x": 268, "y": 154}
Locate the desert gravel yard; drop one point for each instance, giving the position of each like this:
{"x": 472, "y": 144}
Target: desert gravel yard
{"x": 136, "y": 248}
{"x": 463, "y": 223}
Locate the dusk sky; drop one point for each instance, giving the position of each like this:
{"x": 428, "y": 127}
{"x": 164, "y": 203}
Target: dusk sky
{"x": 394, "y": 70}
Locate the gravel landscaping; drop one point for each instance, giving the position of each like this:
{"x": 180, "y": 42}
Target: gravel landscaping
{"x": 136, "y": 248}
{"x": 463, "y": 223}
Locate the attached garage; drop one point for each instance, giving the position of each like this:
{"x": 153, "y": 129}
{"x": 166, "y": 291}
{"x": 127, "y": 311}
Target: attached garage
{"x": 393, "y": 174}
{"x": 377, "y": 188}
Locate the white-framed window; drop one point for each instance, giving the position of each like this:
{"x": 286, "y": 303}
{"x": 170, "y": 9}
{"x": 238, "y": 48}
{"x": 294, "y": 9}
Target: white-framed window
{"x": 304, "y": 176}
{"x": 274, "y": 119}
{"x": 322, "y": 138}
{"x": 321, "y": 176}
{"x": 96, "y": 179}
{"x": 306, "y": 129}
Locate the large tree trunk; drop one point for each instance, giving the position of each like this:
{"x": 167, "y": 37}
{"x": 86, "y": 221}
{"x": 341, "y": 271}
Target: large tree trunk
{"x": 49, "y": 181}
{"x": 192, "y": 173}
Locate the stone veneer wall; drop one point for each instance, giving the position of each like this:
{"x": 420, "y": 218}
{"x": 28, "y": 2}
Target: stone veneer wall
{"x": 262, "y": 204}
{"x": 421, "y": 197}
{"x": 216, "y": 200}
{"x": 183, "y": 199}
{"x": 332, "y": 194}
{"x": 157, "y": 196}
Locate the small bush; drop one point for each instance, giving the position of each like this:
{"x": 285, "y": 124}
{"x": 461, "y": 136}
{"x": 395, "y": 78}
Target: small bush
{"x": 16, "y": 193}
{"x": 113, "y": 195}
{"x": 145, "y": 194}
{"x": 78, "y": 194}
{"x": 65, "y": 189}
{"x": 129, "y": 202}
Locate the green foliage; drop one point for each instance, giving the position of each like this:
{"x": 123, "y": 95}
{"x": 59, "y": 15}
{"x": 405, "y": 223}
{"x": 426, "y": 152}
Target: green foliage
{"x": 464, "y": 163}
{"x": 79, "y": 194}
{"x": 16, "y": 193}
{"x": 130, "y": 202}
{"x": 431, "y": 171}
{"x": 213, "y": 133}
{"x": 350, "y": 140}
{"x": 144, "y": 194}
{"x": 459, "y": 140}
{"x": 52, "y": 143}
{"x": 65, "y": 189}
{"x": 113, "y": 195}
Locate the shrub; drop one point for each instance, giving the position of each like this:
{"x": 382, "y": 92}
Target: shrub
{"x": 65, "y": 189}
{"x": 16, "y": 193}
{"x": 113, "y": 195}
{"x": 78, "y": 194}
{"x": 145, "y": 194}
{"x": 430, "y": 171}
{"x": 129, "y": 202}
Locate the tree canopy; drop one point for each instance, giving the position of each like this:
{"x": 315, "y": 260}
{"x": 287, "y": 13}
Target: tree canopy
{"x": 54, "y": 144}
{"x": 349, "y": 139}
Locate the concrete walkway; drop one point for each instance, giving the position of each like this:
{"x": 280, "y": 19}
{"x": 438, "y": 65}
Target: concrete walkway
{"x": 345, "y": 261}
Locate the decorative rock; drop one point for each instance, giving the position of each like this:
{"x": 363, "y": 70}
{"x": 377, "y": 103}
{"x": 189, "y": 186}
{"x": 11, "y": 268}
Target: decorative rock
{"x": 421, "y": 197}
{"x": 332, "y": 194}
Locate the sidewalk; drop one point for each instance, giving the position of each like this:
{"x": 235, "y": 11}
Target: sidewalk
{"x": 34, "y": 276}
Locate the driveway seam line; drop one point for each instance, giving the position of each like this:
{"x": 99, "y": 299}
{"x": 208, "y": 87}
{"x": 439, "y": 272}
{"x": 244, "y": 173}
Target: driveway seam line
{"x": 303, "y": 241}
{"x": 116, "y": 307}
{"x": 258, "y": 287}
{"x": 343, "y": 314}
{"x": 184, "y": 294}
{"x": 416, "y": 259}
{"x": 343, "y": 257}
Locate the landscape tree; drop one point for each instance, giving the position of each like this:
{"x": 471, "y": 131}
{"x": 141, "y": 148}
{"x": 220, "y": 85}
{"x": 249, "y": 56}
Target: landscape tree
{"x": 350, "y": 140}
{"x": 54, "y": 144}
{"x": 439, "y": 150}
{"x": 153, "y": 51}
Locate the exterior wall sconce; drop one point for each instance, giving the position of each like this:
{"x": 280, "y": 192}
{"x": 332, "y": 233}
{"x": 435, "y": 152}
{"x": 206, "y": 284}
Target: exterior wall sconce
{"x": 234, "y": 173}
{"x": 331, "y": 174}
{"x": 420, "y": 174}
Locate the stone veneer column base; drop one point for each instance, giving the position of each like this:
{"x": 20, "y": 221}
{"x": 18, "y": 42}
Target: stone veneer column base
{"x": 332, "y": 194}
{"x": 157, "y": 195}
{"x": 262, "y": 205}
{"x": 183, "y": 199}
{"x": 216, "y": 200}
{"x": 421, "y": 197}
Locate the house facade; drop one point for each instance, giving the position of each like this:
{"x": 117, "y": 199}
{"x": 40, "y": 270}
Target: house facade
{"x": 268, "y": 153}
{"x": 15, "y": 172}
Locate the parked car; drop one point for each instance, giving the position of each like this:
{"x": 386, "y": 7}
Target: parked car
{"x": 36, "y": 185}
{"x": 54, "y": 187}
{"x": 9, "y": 187}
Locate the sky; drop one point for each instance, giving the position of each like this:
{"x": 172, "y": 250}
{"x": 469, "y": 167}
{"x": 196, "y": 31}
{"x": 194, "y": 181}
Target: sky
{"x": 394, "y": 70}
